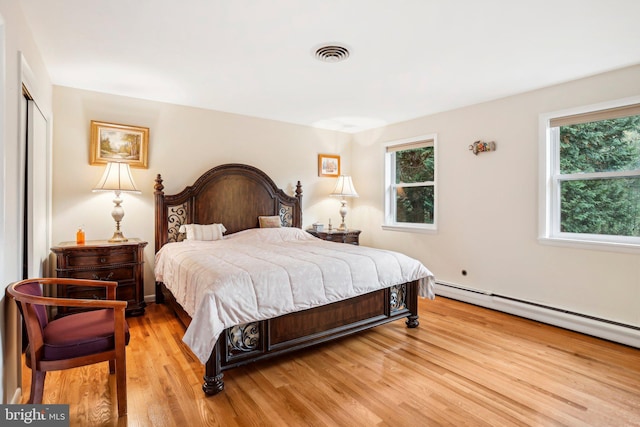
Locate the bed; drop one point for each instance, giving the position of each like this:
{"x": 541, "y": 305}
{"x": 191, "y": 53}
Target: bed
{"x": 214, "y": 285}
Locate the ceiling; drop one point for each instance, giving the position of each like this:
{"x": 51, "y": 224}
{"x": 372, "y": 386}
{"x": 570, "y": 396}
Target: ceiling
{"x": 408, "y": 58}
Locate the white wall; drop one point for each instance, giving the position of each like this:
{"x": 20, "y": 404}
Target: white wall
{"x": 17, "y": 48}
{"x": 488, "y": 205}
{"x": 184, "y": 142}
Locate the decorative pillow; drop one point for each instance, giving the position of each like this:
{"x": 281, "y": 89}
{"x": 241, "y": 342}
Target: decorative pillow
{"x": 270, "y": 221}
{"x": 203, "y": 232}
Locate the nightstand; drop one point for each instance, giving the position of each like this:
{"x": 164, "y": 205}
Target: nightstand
{"x": 101, "y": 260}
{"x": 345, "y": 236}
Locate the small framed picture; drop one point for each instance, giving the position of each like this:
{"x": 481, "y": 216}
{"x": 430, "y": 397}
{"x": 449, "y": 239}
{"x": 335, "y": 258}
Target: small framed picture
{"x": 111, "y": 142}
{"x": 328, "y": 165}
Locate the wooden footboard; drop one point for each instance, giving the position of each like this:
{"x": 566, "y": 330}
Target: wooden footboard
{"x": 256, "y": 341}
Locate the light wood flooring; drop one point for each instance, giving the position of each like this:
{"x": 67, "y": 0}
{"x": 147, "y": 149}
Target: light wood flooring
{"x": 464, "y": 365}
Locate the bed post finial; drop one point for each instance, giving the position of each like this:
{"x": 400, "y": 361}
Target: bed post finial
{"x": 299, "y": 191}
{"x": 158, "y": 186}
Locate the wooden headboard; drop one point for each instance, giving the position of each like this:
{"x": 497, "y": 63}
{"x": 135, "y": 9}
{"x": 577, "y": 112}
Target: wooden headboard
{"x": 231, "y": 194}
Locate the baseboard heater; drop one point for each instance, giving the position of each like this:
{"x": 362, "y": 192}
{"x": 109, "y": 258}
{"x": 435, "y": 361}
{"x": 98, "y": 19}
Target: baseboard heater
{"x": 590, "y": 325}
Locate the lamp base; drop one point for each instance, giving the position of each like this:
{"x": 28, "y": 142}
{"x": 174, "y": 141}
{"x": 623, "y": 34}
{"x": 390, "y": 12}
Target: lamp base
{"x": 343, "y": 213}
{"x": 118, "y": 237}
{"x": 117, "y": 215}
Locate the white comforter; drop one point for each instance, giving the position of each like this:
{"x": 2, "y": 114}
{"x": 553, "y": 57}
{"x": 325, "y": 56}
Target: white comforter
{"x": 263, "y": 273}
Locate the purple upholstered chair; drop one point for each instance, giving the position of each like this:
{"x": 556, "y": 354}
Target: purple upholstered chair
{"x": 74, "y": 340}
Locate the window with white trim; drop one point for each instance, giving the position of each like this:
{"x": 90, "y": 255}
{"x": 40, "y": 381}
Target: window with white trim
{"x": 410, "y": 184}
{"x": 592, "y": 188}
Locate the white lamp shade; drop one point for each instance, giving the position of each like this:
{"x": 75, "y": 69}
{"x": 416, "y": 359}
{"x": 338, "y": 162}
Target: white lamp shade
{"x": 344, "y": 187}
{"x": 117, "y": 177}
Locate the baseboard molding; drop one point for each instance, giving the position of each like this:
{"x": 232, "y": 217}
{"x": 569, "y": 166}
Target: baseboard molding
{"x": 623, "y": 334}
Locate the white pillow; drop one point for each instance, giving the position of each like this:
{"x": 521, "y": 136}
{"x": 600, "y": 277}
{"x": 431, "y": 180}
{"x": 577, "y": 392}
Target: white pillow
{"x": 203, "y": 232}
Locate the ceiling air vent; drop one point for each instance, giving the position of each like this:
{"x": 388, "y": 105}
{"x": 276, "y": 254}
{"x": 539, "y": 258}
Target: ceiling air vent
{"x": 332, "y": 53}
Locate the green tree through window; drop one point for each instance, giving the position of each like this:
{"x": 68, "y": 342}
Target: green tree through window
{"x": 414, "y": 204}
{"x": 607, "y": 200}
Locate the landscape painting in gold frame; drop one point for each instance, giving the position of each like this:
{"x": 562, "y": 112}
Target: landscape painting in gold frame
{"x": 111, "y": 142}
{"x": 328, "y": 165}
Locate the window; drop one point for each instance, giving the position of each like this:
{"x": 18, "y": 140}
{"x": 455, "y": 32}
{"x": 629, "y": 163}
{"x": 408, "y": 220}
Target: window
{"x": 592, "y": 179}
{"x": 410, "y": 184}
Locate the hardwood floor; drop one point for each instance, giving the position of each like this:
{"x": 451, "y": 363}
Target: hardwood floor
{"x": 464, "y": 365}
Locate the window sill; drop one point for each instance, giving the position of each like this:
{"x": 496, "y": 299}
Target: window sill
{"x": 430, "y": 229}
{"x": 590, "y": 244}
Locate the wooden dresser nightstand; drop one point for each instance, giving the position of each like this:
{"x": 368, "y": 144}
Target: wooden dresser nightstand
{"x": 101, "y": 260}
{"x": 344, "y": 236}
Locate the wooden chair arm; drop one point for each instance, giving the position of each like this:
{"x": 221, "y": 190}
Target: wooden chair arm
{"x": 110, "y": 302}
{"x": 77, "y": 302}
{"x": 73, "y": 302}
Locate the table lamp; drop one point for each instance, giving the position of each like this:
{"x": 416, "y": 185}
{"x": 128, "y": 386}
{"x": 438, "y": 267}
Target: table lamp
{"x": 344, "y": 188}
{"x": 117, "y": 178}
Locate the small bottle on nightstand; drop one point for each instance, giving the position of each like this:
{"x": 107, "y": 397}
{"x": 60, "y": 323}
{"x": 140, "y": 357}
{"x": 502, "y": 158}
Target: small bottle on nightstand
{"x": 80, "y": 236}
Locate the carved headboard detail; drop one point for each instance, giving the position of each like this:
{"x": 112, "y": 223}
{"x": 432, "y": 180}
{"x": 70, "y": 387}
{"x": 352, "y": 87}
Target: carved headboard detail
{"x": 232, "y": 194}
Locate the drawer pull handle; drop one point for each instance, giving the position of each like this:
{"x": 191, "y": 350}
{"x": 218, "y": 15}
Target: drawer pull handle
{"x": 108, "y": 277}
{"x": 103, "y": 260}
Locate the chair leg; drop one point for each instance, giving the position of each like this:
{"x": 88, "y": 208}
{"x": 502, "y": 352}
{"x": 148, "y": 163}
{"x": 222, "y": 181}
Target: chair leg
{"x": 112, "y": 366}
{"x": 37, "y": 386}
{"x": 121, "y": 382}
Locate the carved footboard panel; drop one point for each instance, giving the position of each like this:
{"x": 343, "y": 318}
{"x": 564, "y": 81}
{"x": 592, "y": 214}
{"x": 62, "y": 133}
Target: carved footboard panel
{"x": 256, "y": 341}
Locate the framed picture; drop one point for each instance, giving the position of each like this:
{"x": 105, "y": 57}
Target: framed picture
{"x": 112, "y": 142}
{"x": 328, "y": 165}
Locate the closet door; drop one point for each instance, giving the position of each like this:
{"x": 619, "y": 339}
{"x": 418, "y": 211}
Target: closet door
{"x": 36, "y": 228}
